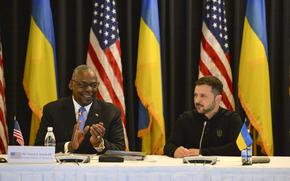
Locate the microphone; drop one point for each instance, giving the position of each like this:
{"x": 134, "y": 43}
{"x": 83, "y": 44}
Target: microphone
{"x": 201, "y": 159}
{"x": 201, "y": 137}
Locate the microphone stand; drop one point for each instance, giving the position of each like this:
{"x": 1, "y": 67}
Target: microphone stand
{"x": 201, "y": 137}
{"x": 201, "y": 159}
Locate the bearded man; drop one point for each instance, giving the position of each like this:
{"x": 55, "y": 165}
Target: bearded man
{"x": 208, "y": 129}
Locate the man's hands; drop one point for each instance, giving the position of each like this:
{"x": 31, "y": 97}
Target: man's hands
{"x": 97, "y": 133}
{"x": 181, "y": 152}
{"x": 77, "y": 137}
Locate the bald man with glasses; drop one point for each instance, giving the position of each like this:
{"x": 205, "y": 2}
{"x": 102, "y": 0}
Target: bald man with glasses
{"x": 81, "y": 123}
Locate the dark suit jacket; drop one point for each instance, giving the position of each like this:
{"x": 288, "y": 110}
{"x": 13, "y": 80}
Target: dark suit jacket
{"x": 60, "y": 115}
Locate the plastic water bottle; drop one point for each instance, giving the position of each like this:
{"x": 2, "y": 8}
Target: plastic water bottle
{"x": 246, "y": 155}
{"x": 49, "y": 137}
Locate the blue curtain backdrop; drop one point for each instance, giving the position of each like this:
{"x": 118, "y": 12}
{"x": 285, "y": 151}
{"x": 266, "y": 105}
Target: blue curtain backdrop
{"x": 180, "y": 30}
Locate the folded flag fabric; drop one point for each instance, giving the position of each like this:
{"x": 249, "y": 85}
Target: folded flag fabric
{"x": 149, "y": 81}
{"x": 254, "y": 76}
{"x": 244, "y": 139}
{"x": 40, "y": 72}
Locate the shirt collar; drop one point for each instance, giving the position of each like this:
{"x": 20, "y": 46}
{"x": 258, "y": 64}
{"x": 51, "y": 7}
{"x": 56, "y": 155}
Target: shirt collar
{"x": 77, "y": 106}
{"x": 217, "y": 114}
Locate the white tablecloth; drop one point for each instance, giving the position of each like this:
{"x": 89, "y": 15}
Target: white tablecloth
{"x": 157, "y": 168}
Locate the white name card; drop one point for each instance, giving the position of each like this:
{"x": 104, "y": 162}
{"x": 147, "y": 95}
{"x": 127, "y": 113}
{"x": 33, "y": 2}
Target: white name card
{"x": 31, "y": 154}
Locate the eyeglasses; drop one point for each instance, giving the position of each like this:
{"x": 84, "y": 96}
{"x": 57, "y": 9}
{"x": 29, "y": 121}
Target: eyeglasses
{"x": 83, "y": 85}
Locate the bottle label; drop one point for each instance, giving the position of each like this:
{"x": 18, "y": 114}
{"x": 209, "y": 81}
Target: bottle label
{"x": 49, "y": 139}
{"x": 246, "y": 155}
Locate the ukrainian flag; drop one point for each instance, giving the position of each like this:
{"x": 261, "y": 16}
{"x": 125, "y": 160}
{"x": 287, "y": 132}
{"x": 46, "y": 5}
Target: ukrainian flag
{"x": 40, "y": 67}
{"x": 254, "y": 83}
{"x": 149, "y": 81}
{"x": 244, "y": 139}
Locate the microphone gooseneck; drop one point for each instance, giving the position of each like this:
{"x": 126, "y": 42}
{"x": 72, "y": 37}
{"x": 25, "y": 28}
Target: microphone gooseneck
{"x": 202, "y": 133}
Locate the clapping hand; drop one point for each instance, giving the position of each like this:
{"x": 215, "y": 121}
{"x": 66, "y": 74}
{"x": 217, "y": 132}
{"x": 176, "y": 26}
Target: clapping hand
{"x": 77, "y": 137}
{"x": 97, "y": 131}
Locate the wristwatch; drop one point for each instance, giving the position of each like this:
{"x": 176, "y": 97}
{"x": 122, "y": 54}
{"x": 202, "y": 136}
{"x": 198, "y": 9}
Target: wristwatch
{"x": 101, "y": 146}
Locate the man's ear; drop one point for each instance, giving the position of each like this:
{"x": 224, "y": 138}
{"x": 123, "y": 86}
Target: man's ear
{"x": 219, "y": 98}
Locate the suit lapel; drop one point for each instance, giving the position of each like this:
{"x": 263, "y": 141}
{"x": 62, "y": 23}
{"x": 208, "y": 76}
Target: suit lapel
{"x": 69, "y": 118}
{"x": 94, "y": 113}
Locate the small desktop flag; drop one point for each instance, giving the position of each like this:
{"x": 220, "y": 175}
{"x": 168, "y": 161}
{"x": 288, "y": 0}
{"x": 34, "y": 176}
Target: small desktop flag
{"x": 17, "y": 134}
{"x": 244, "y": 139}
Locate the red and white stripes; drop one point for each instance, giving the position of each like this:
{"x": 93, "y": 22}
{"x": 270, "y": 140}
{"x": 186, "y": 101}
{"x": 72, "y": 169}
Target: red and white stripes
{"x": 108, "y": 67}
{"x": 3, "y": 124}
{"x": 213, "y": 61}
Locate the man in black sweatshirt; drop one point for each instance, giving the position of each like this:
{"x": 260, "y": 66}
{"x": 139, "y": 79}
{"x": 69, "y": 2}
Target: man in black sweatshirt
{"x": 208, "y": 129}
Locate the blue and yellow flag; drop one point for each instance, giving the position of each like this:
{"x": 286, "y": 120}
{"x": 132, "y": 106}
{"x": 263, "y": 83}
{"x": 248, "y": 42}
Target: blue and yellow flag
{"x": 254, "y": 83}
{"x": 244, "y": 139}
{"x": 40, "y": 67}
{"x": 149, "y": 81}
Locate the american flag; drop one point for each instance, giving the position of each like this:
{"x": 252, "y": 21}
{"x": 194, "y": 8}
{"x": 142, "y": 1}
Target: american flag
{"x": 3, "y": 125}
{"x": 17, "y": 134}
{"x": 214, "y": 54}
{"x": 104, "y": 55}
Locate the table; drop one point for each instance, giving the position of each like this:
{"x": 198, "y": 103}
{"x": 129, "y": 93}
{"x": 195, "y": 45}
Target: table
{"x": 156, "y": 168}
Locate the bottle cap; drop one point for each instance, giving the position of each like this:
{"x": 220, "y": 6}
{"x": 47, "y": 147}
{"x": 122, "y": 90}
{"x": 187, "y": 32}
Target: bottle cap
{"x": 49, "y": 128}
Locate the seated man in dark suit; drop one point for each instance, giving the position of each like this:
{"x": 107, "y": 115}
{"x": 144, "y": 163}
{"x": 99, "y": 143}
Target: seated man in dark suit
{"x": 81, "y": 123}
{"x": 208, "y": 129}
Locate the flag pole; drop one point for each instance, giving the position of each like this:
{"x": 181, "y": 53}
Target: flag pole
{"x": 254, "y": 133}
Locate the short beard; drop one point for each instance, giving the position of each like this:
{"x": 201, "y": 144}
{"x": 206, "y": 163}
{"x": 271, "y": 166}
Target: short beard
{"x": 209, "y": 109}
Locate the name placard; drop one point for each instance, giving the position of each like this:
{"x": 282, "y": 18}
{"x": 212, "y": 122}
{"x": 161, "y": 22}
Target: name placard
{"x": 31, "y": 154}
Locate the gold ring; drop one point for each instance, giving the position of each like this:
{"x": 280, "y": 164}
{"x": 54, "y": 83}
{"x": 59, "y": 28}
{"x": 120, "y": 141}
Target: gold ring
{"x": 98, "y": 137}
